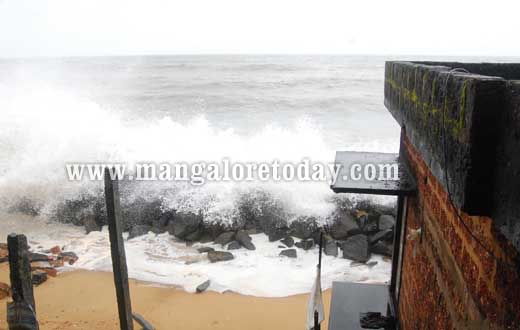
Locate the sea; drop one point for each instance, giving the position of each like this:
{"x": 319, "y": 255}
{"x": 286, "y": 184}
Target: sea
{"x": 246, "y": 108}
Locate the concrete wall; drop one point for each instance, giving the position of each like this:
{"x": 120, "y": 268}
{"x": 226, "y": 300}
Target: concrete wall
{"x": 460, "y": 274}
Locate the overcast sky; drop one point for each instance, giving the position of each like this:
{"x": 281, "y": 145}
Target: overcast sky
{"x": 117, "y": 27}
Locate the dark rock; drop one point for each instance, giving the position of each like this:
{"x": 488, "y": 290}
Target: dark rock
{"x": 330, "y": 248}
{"x": 205, "y": 238}
{"x": 245, "y": 240}
{"x": 282, "y": 246}
{"x": 386, "y": 221}
{"x": 234, "y": 245}
{"x": 216, "y": 256}
{"x": 140, "y": 210}
{"x": 205, "y": 249}
{"x": 371, "y": 264}
{"x": 385, "y": 235}
{"x": 288, "y": 241}
{"x": 303, "y": 227}
{"x": 139, "y": 230}
{"x": 37, "y": 257}
{"x": 160, "y": 225}
{"x": 382, "y": 249}
{"x": 203, "y": 286}
{"x": 38, "y": 277}
{"x": 306, "y": 244}
{"x": 195, "y": 236}
{"x": 184, "y": 223}
{"x": 90, "y": 224}
{"x": 291, "y": 253}
{"x": 356, "y": 248}
{"x": 277, "y": 234}
{"x": 344, "y": 225}
{"x": 225, "y": 238}
{"x": 68, "y": 256}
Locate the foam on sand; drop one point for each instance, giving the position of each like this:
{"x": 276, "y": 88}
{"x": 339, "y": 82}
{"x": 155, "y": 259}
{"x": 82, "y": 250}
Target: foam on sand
{"x": 164, "y": 260}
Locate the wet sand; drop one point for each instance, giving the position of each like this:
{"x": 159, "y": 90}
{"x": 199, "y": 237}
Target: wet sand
{"x": 86, "y": 300}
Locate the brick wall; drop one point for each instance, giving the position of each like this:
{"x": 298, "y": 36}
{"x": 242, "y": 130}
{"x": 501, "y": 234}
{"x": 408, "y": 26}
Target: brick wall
{"x": 449, "y": 281}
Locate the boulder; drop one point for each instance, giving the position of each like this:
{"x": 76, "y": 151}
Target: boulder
{"x": 193, "y": 237}
{"x": 37, "y": 257}
{"x": 277, "y": 234}
{"x": 234, "y": 245}
{"x": 288, "y": 241}
{"x": 385, "y": 235}
{"x": 356, "y": 248}
{"x": 382, "y": 248}
{"x": 90, "y": 224}
{"x": 290, "y": 253}
{"x": 344, "y": 225}
{"x": 139, "y": 230}
{"x": 245, "y": 240}
{"x": 38, "y": 277}
{"x": 160, "y": 225}
{"x": 184, "y": 223}
{"x": 306, "y": 244}
{"x": 205, "y": 249}
{"x": 216, "y": 256}
{"x": 330, "y": 248}
{"x": 69, "y": 257}
{"x": 386, "y": 221}
{"x": 203, "y": 286}
{"x": 225, "y": 238}
{"x": 303, "y": 227}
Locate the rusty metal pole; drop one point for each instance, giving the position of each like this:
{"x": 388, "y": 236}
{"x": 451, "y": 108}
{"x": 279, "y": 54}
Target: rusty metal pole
{"x": 117, "y": 250}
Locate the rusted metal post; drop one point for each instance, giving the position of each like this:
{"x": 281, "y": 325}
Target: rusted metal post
{"x": 21, "y": 313}
{"x": 117, "y": 250}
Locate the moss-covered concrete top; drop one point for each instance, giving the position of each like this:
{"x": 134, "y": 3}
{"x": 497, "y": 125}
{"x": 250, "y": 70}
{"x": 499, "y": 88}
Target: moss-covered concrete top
{"x": 450, "y": 112}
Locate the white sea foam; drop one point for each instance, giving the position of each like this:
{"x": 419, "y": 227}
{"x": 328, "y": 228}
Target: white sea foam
{"x": 162, "y": 259}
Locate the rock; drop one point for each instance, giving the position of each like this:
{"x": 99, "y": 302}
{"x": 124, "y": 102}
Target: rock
{"x": 37, "y": 257}
{"x": 5, "y": 290}
{"x": 344, "y": 225}
{"x": 386, "y": 221}
{"x": 160, "y": 224}
{"x": 371, "y": 264}
{"x": 183, "y": 224}
{"x": 90, "y": 224}
{"x": 69, "y": 257}
{"x": 203, "y": 286}
{"x": 245, "y": 240}
{"x": 38, "y": 277}
{"x": 356, "y": 248}
{"x": 234, "y": 245}
{"x": 139, "y": 230}
{"x": 225, "y": 238}
{"x": 216, "y": 256}
{"x": 205, "y": 249}
{"x": 330, "y": 248}
{"x": 282, "y": 247}
{"x": 55, "y": 250}
{"x": 193, "y": 237}
{"x": 303, "y": 227}
{"x": 288, "y": 241}
{"x": 382, "y": 249}
{"x": 291, "y": 253}
{"x": 277, "y": 235}
{"x": 381, "y": 235}
{"x": 305, "y": 244}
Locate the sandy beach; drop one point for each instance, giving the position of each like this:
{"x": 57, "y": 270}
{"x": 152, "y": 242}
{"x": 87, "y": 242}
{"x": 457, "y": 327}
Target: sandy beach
{"x": 86, "y": 300}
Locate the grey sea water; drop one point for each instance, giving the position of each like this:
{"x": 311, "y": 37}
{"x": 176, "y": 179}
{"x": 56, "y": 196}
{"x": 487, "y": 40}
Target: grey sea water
{"x": 187, "y": 108}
